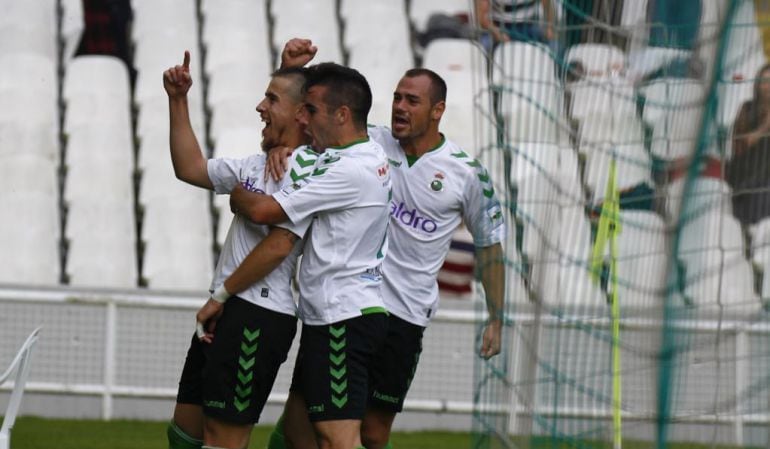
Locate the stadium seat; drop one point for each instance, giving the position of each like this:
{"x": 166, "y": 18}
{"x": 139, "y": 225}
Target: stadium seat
{"x": 706, "y": 195}
{"x": 29, "y": 71}
{"x": 633, "y": 167}
{"x": 673, "y": 108}
{"x": 641, "y": 260}
{"x": 29, "y": 28}
{"x": 315, "y": 20}
{"x": 233, "y": 113}
{"x": 718, "y": 277}
{"x": 564, "y": 279}
{"x": 178, "y": 261}
{"x": 152, "y": 118}
{"x": 235, "y": 46}
{"x": 598, "y": 60}
{"x": 421, "y": 10}
{"x": 101, "y": 245}
{"x": 32, "y": 238}
{"x": 531, "y": 97}
{"x": 523, "y": 61}
{"x": 97, "y": 111}
{"x": 238, "y": 80}
{"x": 163, "y": 16}
{"x": 28, "y": 138}
{"x": 601, "y": 129}
{"x": 19, "y": 365}
{"x": 95, "y": 75}
{"x": 613, "y": 97}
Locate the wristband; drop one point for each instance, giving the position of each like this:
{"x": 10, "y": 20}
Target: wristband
{"x": 220, "y": 294}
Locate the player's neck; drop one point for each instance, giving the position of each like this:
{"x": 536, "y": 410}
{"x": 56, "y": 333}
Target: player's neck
{"x": 348, "y": 137}
{"x": 294, "y": 140}
{"x": 422, "y": 144}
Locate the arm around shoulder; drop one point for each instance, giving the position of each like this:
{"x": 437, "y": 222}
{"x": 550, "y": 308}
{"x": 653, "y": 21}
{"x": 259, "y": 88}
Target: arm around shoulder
{"x": 257, "y": 207}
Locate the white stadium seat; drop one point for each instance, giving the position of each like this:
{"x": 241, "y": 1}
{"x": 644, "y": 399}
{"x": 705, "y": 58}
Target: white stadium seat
{"x": 72, "y": 26}
{"x": 632, "y": 163}
{"x": 96, "y": 75}
{"x": 598, "y": 60}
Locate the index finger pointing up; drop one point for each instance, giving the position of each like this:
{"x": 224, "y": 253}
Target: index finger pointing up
{"x": 186, "y": 63}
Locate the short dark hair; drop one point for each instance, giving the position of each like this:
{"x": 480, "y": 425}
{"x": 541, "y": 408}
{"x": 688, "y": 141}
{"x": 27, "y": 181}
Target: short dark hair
{"x": 298, "y": 75}
{"x": 345, "y": 87}
{"x": 437, "y": 84}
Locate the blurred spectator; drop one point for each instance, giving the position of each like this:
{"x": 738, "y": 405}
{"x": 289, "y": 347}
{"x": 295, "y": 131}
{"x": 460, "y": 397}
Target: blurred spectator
{"x": 107, "y": 30}
{"x": 517, "y": 20}
{"x": 748, "y": 172}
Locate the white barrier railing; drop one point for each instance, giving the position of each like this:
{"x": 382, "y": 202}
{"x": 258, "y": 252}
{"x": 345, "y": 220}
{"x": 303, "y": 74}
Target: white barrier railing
{"x": 115, "y": 304}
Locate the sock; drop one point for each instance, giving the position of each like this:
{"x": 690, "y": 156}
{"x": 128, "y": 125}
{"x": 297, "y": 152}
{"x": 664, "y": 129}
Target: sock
{"x": 388, "y": 446}
{"x": 178, "y": 439}
{"x": 277, "y": 439}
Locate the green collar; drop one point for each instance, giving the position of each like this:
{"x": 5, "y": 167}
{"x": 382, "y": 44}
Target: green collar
{"x": 411, "y": 159}
{"x": 355, "y": 142}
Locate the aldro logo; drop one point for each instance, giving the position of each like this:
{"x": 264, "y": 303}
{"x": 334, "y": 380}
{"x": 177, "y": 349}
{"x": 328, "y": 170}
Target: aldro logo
{"x": 412, "y": 218}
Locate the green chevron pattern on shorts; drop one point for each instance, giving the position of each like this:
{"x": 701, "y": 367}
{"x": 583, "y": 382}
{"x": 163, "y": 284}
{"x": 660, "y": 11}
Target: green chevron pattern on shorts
{"x": 337, "y": 367}
{"x": 246, "y": 362}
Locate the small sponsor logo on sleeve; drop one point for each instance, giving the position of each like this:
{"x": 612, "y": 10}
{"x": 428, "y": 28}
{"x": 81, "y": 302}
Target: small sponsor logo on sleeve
{"x": 495, "y": 213}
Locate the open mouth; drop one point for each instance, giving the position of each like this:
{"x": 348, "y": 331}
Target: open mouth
{"x": 400, "y": 122}
{"x": 266, "y": 121}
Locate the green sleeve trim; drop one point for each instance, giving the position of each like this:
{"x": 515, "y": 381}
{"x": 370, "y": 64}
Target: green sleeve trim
{"x": 371, "y": 310}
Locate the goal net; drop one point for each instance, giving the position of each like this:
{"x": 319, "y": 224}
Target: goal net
{"x": 630, "y": 152}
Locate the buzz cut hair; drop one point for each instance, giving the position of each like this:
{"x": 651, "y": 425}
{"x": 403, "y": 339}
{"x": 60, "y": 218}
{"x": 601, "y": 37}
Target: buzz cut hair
{"x": 345, "y": 87}
{"x": 437, "y": 84}
{"x": 298, "y": 76}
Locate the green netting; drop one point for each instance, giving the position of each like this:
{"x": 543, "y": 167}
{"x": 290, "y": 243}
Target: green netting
{"x": 635, "y": 299}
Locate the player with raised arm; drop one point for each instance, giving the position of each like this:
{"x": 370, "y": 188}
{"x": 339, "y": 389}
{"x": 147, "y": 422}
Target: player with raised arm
{"x": 340, "y": 304}
{"x": 436, "y": 186}
{"x": 238, "y": 347}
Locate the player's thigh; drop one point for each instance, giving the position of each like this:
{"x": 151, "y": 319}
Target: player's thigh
{"x": 393, "y": 367}
{"x": 297, "y": 429}
{"x": 250, "y": 344}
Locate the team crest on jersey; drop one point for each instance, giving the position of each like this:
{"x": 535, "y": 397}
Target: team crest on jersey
{"x": 437, "y": 185}
{"x": 288, "y": 190}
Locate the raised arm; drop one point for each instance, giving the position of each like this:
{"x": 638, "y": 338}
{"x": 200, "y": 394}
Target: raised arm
{"x": 257, "y": 207}
{"x": 492, "y": 268}
{"x": 186, "y": 156}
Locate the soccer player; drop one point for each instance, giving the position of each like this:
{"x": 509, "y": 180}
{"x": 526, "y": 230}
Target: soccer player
{"x": 232, "y": 362}
{"x": 340, "y": 305}
{"x": 436, "y": 186}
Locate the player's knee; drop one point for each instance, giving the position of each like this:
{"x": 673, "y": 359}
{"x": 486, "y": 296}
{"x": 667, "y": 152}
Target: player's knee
{"x": 375, "y": 437}
{"x": 221, "y": 435}
{"x": 178, "y": 439}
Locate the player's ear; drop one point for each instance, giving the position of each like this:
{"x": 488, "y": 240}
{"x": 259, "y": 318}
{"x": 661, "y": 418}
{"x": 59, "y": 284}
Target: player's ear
{"x": 342, "y": 115}
{"x": 438, "y": 110}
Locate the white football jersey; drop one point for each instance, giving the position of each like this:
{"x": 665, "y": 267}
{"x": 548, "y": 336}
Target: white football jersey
{"x": 274, "y": 290}
{"x": 443, "y": 188}
{"x": 347, "y": 196}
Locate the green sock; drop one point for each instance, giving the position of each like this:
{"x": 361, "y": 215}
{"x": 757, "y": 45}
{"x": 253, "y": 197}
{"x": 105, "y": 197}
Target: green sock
{"x": 178, "y": 439}
{"x": 388, "y": 446}
{"x": 277, "y": 439}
